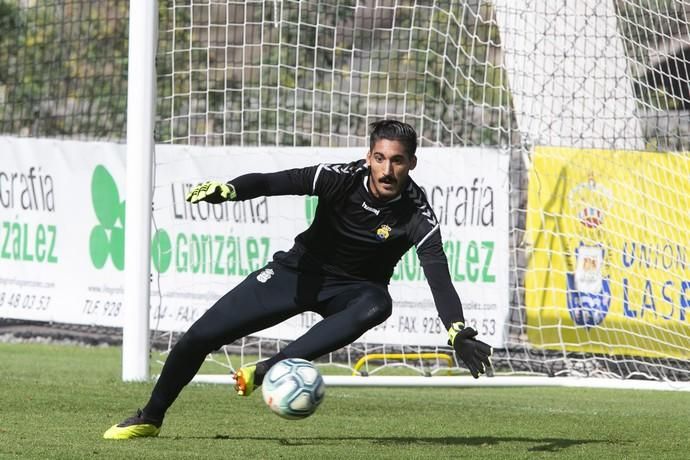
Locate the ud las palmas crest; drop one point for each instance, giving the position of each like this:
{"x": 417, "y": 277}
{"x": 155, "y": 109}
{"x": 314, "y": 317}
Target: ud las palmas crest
{"x": 589, "y": 287}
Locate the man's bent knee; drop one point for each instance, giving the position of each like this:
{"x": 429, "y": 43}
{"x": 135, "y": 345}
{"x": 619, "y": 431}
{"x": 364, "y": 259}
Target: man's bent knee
{"x": 373, "y": 308}
{"x": 195, "y": 341}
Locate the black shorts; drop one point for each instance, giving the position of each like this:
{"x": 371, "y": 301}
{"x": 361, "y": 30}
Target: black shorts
{"x": 277, "y": 292}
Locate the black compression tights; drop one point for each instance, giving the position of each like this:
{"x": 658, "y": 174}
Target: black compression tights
{"x": 349, "y": 309}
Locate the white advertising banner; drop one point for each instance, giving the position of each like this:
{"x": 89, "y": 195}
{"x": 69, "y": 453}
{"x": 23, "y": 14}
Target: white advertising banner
{"x": 62, "y": 235}
{"x": 58, "y": 218}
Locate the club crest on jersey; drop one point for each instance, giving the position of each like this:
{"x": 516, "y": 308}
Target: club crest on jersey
{"x": 264, "y": 275}
{"x": 383, "y": 232}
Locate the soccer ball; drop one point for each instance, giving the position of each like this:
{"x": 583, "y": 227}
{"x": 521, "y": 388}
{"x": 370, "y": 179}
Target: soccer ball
{"x": 293, "y": 388}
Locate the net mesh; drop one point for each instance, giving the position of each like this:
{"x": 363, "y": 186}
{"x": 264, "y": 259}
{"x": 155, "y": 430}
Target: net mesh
{"x": 64, "y": 69}
{"x": 296, "y": 73}
{"x": 308, "y": 73}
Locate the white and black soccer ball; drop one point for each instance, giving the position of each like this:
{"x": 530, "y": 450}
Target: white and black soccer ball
{"x": 293, "y": 388}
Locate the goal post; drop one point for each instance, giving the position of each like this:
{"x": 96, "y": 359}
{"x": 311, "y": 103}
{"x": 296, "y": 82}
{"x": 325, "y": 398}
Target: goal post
{"x": 141, "y": 109}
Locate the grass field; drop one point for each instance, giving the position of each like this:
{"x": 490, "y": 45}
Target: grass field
{"x": 56, "y": 401}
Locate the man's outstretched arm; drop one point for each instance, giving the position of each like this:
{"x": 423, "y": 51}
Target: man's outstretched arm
{"x": 247, "y": 186}
{"x": 474, "y": 353}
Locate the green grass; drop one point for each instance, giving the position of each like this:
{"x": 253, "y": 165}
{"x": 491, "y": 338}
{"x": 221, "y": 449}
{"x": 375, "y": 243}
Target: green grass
{"x": 56, "y": 401}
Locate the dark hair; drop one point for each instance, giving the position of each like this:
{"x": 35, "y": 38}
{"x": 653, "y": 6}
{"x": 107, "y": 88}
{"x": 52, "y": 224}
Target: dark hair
{"x": 394, "y": 130}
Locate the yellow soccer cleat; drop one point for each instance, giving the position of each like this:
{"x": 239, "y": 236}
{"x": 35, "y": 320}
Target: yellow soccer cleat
{"x": 137, "y": 426}
{"x": 244, "y": 380}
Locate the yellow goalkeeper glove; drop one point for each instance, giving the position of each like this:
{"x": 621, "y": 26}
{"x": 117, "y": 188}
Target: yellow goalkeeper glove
{"x": 474, "y": 353}
{"x": 211, "y": 192}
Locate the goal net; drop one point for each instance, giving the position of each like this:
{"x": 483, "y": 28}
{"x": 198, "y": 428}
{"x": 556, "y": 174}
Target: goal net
{"x": 565, "y": 119}
{"x": 297, "y": 83}
{"x": 554, "y": 141}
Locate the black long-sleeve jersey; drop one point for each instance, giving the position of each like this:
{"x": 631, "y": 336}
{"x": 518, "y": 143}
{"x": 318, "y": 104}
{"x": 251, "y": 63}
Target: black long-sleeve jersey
{"x": 356, "y": 235}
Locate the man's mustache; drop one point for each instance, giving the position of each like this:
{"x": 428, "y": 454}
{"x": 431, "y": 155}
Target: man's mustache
{"x": 388, "y": 180}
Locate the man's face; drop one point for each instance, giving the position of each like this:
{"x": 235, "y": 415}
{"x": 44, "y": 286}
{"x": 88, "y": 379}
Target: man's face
{"x": 389, "y": 167}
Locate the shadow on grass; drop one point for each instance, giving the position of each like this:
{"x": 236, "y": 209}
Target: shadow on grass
{"x": 539, "y": 444}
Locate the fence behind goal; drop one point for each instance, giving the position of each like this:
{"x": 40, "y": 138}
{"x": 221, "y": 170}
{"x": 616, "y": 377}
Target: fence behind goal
{"x": 553, "y": 137}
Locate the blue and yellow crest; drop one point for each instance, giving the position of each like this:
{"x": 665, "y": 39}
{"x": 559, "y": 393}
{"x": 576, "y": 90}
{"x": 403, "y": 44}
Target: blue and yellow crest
{"x": 383, "y": 232}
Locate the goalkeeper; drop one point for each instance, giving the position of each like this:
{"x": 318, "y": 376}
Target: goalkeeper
{"x": 370, "y": 213}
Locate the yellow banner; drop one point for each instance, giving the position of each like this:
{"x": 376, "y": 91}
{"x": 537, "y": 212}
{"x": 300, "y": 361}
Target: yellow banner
{"x": 609, "y": 264}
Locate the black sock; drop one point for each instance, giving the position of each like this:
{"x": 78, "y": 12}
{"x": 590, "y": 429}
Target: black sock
{"x": 151, "y": 414}
{"x": 264, "y": 366}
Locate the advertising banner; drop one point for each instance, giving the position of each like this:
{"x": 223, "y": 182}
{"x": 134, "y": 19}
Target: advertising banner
{"x": 608, "y": 271}
{"x": 60, "y": 217}
{"x": 62, "y": 208}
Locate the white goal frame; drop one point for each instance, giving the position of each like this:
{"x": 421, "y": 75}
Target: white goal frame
{"x": 482, "y": 382}
{"x": 141, "y": 91}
